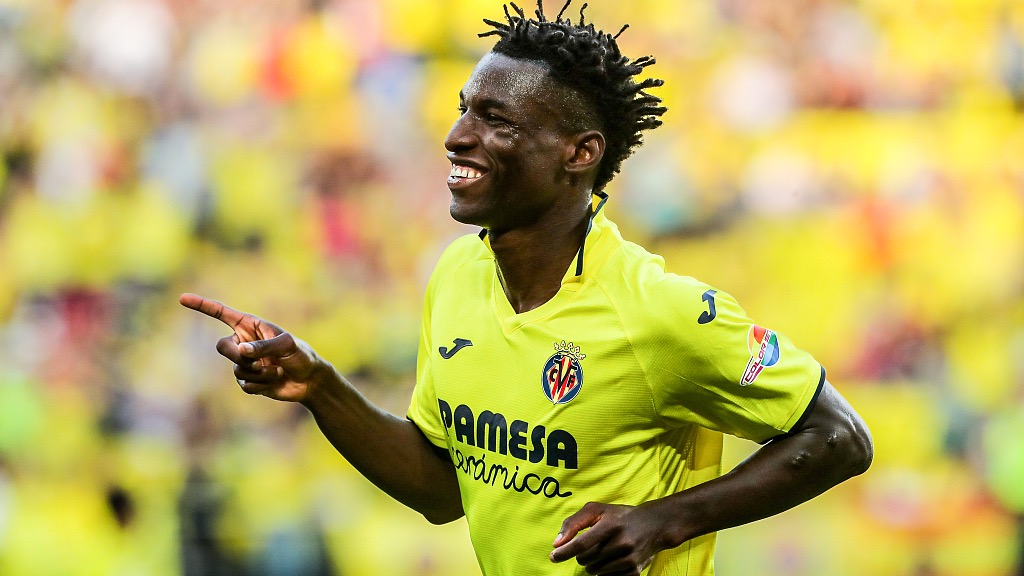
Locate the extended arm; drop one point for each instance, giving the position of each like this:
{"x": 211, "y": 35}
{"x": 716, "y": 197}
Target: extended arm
{"x": 390, "y": 451}
{"x": 832, "y": 445}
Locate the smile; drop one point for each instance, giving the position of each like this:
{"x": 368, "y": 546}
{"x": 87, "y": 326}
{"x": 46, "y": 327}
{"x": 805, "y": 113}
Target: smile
{"x": 464, "y": 172}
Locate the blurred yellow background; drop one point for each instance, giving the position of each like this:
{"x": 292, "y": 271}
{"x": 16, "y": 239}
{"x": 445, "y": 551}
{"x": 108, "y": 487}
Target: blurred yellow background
{"x": 850, "y": 170}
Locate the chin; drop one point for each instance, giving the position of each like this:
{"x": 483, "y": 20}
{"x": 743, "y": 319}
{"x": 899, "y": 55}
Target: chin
{"x": 464, "y": 214}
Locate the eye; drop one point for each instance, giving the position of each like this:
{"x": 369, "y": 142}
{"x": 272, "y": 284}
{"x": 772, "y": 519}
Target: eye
{"x": 462, "y": 109}
{"x": 494, "y": 119}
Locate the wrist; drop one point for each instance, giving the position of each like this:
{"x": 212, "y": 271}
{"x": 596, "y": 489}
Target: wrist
{"x": 320, "y": 386}
{"x": 679, "y": 519}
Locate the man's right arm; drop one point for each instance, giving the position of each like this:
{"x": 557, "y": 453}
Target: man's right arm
{"x": 389, "y": 451}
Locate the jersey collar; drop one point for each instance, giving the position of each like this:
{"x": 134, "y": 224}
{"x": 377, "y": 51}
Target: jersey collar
{"x": 595, "y": 210}
{"x": 590, "y": 226}
{"x": 597, "y": 244}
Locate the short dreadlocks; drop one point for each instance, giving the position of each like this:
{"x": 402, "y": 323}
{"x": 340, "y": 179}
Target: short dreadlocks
{"x": 587, "y": 61}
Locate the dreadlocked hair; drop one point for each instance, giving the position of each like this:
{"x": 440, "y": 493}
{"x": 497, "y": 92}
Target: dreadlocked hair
{"x": 589, "y": 62}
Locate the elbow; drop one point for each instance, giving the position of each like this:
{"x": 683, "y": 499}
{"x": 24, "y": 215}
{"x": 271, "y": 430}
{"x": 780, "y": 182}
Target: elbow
{"x": 854, "y": 448}
{"x": 838, "y": 442}
{"x": 845, "y": 451}
{"x": 862, "y": 452}
{"x": 439, "y": 517}
{"x": 841, "y": 453}
{"x": 443, "y": 510}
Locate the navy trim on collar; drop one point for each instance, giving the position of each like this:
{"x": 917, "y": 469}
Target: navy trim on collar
{"x": 590, "y": 224}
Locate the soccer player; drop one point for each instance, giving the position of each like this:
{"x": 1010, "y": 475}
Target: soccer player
{"x": 571, "y": 394}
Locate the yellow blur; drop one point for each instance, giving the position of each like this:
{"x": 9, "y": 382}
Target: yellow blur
{"x": 850, "y": 171}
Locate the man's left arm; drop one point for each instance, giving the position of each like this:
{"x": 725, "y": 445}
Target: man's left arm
{"x": 830, "y": 446}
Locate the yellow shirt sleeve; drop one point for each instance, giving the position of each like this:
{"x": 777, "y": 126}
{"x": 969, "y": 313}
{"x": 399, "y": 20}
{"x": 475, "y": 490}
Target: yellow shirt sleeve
{"x": 713, "y": 366}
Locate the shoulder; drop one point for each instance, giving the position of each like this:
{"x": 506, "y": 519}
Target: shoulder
{"x": 462, "y": 252}
{"x": 637, "y": 280}
{"x": 467, "y": 248}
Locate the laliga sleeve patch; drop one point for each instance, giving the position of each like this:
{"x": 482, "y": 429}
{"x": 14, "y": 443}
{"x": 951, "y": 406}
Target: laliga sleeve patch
{"x": 764, "y": 353}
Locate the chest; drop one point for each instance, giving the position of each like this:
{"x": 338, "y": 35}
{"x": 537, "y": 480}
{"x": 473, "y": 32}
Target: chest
{"x": 558, "y": 389}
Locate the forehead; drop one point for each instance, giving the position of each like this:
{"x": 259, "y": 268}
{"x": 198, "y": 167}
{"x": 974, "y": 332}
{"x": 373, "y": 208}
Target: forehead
{"x": 511, "y": 82}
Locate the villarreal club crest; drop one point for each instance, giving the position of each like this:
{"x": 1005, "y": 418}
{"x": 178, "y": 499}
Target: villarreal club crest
{"x": 563, "y": 375}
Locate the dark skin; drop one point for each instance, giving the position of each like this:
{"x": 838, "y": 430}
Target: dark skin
{"x": 520, "y": 172}
{"x": 390, "y": 451}
{"x": 832, "y": 445}
{"x": 534, "y": 193}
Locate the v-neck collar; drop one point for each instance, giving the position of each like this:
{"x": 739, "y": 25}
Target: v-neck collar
{"x": 596, "y": 245}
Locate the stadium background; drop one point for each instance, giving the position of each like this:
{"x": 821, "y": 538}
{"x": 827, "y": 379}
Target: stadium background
{"x": 849, "y": 170}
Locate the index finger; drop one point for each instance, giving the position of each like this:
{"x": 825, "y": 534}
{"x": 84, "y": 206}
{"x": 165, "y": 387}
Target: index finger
{"x": 212, "y": 308}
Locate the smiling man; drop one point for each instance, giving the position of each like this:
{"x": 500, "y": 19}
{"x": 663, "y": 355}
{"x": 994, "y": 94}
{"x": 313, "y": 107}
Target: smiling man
{"x": 571, "y": 394}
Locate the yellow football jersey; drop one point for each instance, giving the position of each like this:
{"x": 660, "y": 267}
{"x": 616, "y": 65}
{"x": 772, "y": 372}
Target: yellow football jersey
{"x": 617, "y": 390}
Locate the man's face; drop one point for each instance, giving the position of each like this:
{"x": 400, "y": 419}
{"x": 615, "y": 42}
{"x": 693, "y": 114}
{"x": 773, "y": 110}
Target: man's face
{"x": 509, "y": 145}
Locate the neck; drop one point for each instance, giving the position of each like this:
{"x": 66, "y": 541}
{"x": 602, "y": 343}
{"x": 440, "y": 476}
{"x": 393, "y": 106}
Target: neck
{"x": 532, "y": 261}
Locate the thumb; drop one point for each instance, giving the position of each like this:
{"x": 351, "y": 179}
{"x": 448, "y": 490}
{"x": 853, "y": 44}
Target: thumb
{"x": 585, "y": 518}
{"x": 280, "y": 346}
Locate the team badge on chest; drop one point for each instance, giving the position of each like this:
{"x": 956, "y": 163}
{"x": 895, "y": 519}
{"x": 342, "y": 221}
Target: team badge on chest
{"x": 563, "y": 375}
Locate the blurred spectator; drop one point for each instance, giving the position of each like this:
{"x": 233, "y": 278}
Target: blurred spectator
{"x": 848, "y": 170}
{"x": 124, "y": 43}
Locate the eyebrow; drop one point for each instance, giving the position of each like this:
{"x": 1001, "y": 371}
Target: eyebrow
{"x": 486, "y": 102}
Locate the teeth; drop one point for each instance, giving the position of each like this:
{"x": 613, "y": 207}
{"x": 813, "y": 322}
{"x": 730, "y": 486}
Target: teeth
{"x": 464, "y": 172}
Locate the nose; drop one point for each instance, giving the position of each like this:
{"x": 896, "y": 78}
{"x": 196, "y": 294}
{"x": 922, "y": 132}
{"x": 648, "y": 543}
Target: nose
{"x": 460, "y": 137}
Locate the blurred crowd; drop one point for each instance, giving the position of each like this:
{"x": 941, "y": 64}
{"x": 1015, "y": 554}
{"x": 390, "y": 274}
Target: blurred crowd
{"x": 848, "y": 170}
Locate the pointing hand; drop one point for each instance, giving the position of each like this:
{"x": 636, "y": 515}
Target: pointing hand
{"x": 268, "y": 360}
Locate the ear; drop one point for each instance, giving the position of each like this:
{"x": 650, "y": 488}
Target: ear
{"x": 585, "y": 152}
